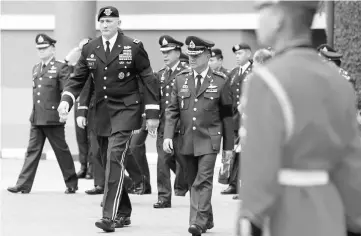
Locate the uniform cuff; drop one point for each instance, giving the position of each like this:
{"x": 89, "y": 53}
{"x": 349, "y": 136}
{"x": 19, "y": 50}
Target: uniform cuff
{"x": 152, "y": 114}
{"x": 66, "y": 96}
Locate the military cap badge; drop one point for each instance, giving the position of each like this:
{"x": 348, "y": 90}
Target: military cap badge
{"x": 107, "y": 12}
{"x": 165, "y": 42}
{"x": 236, "y": 47}
{"x": 192, "y": 45}
{"x": 40, "y": 39}
{"x": 213, "y": 54}
{"x": 324, "y": 49}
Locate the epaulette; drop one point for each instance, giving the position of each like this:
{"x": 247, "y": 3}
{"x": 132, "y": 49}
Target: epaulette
{"x": 344, "y": 74}
{"x": 84, "y": 42}
{"x": 185, "y": 71}
{"x": 163, "y": 68}
{"x": 220, "y": 74}
{"x": 61, "y": 61}
{"x": 136, "y": 41}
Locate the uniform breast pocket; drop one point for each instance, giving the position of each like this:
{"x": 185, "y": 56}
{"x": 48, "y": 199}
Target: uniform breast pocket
{"x": 52, "y": 113}
{"x": 215, "y": 134}
{"x": 131, "y": 100}
{"x": 211, "y": 101}
{"x": 184, "y": 100}
{"x": 50, "y": 80}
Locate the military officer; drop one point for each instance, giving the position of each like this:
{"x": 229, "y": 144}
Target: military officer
{"x": 201, "y": 102}
{"x": 116, "y": 62}
{"x": 82, "y": 134}
{"x": 244, "y": 61}
{"x": 171, "y": 50}
{"x": 184, "y": 59}
{"x": 49, "y": 77}
{"x": 309, "y": 182}
{"x": 216, "y": 61}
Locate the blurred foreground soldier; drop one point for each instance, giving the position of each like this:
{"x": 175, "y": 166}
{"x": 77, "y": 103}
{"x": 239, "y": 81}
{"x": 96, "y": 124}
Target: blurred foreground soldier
{"x": 244, "y": 62}
{"x": 216, "y": 61}
{"x": 49, "y": 77}
{"x": 116, "y": 62}
{"x": 82, "y": 134}
{"x": 201, "y": 101}
{"x": 301, "y": 158}
{"x": 171, "y": 50}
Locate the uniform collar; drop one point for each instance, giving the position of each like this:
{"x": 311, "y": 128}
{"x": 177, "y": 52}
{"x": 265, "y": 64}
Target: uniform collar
{"x": 203, "y": 73}
{"x": 245, "y": 66}
{"x": 111, "y": 41}
{"x": 47, "y": 62}
{"x": 174, "y": 67}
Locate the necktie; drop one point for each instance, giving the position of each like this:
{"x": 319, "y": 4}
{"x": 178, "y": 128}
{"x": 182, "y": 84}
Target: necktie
{"x": 107, "y": 51}
{"x": 199, "y": 83}
{"x": 240, "y": 71}
{"x": 43, "y": 67}
{"x": 169, "y": 73}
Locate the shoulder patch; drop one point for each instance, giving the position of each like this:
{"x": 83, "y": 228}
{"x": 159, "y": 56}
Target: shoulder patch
{"x": 220, "y": 74}
{"x": 83, "y": 43}
{"x": 136, "y": 41}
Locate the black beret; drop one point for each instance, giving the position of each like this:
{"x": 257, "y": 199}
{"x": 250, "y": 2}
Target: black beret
{"x": 168, "y": 43}
{"x": 241, "y": 46}
{"x": 328, "y": 52}
{"x": 44, "y": 41}
{"x": 184, "y": 58}
{"x": 217, "y": 52}
{"x": 196, "y": 45}
{"x": 108, "y": 12}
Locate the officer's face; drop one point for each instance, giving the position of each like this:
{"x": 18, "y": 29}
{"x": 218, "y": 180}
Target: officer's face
{"x": 198, "y": 62}
{"x": 45, "y": 53}
{"x": 109, "y": 26}
{"x": 242, "y": 56}
{"x": 170, "y": 57}
{"x": 215, "y": 63}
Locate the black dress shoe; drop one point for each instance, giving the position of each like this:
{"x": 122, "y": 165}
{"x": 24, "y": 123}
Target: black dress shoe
{"x": 17, "y": 189}
{"x": 82, "y": 172}
{"x": 162, "y": 204}
{"x": 122, "y": 221}
{"x": 229, "y": 190}
{"x": 106, "y": 224}
{"x": 71, "y": 190}
{"x": 180, "y": 193}
{"x": 195, "y": 230}
{"x": 236, "y": 197}
{"x": 96, "y": 190}
{"x": 209, "y": 225}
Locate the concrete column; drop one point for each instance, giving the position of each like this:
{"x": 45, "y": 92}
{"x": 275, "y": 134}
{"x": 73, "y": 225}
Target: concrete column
{"x": 74, "y": 20}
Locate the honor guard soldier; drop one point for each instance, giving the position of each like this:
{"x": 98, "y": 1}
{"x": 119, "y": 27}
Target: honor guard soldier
{"x": 116, "y": 62}
{"x": 301, "y": 158}
{"x": 49, "y": 77}
{"x": 201, "y": 102}
{"x": 216, "y": 61}
{"x": 171, "y": 50}
{"x": 244, "y": 61}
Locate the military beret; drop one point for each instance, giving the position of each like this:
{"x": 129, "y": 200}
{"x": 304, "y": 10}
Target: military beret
{"x": 168, "y": 43}
{"x": 217, "y": 52}
{"x": 241, "y": 46}
{"x": 184, "y": 58}
{"x": 196, "y": 45}
{"x": 108, "y": 12}
{"x": 44, "y": 41}
{"x": 328, "y": 52}
{"x": 312, "y": 5}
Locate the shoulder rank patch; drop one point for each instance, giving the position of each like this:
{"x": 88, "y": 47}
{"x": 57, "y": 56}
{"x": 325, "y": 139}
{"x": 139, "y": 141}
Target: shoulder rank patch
{"x": 220, "y": 74}
{"x": 136, "y": 41}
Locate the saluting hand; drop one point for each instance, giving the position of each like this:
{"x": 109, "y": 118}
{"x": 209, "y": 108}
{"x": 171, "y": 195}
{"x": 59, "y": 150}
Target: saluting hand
{"x": 81, "y": 121}
{"x": 63, "y": 110}
{"x": 168, "y": 145}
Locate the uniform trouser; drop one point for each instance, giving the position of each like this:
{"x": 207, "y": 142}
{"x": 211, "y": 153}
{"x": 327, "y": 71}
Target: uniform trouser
{"x": 56, "y": 137}
{"x": 165, "y": 163}
{"x": 138, "y": 165}
{"x": 83, "y": 142}
{"x": 200, "y": 172}
{"x": 97, "y": 160}
{"x": 116, "y": 199}
{"x": 233, "y": 179}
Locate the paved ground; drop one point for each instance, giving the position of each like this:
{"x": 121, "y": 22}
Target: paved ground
{"x": 46, "y": 211}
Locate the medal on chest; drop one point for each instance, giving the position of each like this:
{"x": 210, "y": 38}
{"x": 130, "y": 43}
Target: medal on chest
{"x": 184, "y": 88}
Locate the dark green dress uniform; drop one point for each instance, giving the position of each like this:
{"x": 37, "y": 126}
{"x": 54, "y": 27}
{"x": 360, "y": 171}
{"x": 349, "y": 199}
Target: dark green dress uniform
{"x": 167, "y": 161}
{"x": 48, "y": 83}
{"x": 117, "y": 105}
{"x": 205, "y": 118}
{"x": 237, "y": 75}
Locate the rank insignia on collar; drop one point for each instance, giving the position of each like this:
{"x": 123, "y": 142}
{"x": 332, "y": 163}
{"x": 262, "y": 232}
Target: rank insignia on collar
{"x": 192, "y": 45}
{"x": 108, "y": 12}
{"x": 165, "y": 42}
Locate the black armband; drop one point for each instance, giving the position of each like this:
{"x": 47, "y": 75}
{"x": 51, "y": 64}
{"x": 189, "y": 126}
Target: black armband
{"x": 226, "y": 111}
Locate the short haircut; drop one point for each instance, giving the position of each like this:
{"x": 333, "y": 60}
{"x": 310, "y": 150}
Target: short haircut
{"x": 262, "y": 55}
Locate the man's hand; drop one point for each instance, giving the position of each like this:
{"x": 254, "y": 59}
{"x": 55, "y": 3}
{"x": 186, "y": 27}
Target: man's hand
{"x": 63, "y": 110}
{"x": 227, "y": 155}
{"x": 168, "y": 145}
{"x": 152, "y": 125}
{"x": 81, "y": 121}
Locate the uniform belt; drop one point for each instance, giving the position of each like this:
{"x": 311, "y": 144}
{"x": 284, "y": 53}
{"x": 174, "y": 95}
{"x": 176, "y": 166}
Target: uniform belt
{"x": 292, "y": 177}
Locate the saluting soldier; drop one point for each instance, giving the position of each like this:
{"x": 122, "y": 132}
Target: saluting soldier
{"x": 201, "y": 102}
{"x": 216, "y": 61}
{"x": 171, "y": 50}
{"x": 244, "y": 61}
{"x": 301, "y": 158}
{"x": 49, "y": 77}
{"x": 116, "y": 62}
